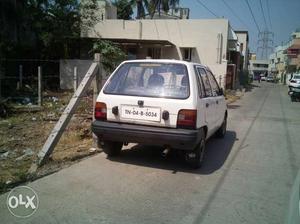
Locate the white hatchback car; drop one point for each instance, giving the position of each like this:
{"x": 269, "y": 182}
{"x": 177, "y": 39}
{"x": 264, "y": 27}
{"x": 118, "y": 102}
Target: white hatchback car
{"x": 294, "y": 83}
{"x": 175, "y": 104}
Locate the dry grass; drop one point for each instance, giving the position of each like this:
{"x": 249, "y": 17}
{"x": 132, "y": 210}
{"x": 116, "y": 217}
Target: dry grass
{"x": 232, "y": 96}
{"x": 29, "y": 131}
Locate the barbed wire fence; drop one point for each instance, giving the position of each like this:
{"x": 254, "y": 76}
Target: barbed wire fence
{"x": 22, "y": 81}
{"x": 37, "y": 84}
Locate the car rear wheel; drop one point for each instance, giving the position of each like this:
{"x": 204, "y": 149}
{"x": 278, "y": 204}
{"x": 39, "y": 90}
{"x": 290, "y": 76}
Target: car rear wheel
{"x": 112, "y": 148}
{"x": 196, "y": 156}
{"x": 222, "y": 130}
{"x": 293, "y": 99}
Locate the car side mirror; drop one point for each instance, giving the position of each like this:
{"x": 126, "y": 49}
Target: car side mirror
{"x": 221, "y": 92}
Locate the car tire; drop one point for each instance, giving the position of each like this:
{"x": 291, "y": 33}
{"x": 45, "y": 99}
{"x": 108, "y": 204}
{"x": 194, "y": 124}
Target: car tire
{"x": 112, "y": 148}
{"x": 222, "y": 130}
{"x": 196, "y": 160}
{"x": 293, "y": 99}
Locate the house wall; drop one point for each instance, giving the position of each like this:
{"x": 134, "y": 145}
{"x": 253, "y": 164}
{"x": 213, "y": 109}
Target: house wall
{"x": 255, "y": 70}
{"x": 243, "y": 38}
{"x": 106, "y": 10}
{"x": 201, "y": 35}
{"x": 171, "y": 53}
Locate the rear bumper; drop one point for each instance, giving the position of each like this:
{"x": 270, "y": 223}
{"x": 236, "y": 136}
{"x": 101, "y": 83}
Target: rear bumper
{"x": 175, "y": 138}
{"x": 294, "y": 87}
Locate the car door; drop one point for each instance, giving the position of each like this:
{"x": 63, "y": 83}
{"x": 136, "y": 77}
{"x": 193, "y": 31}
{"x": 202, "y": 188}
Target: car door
{"x": 207, "y": 101}
{"x": 218, "y": 99}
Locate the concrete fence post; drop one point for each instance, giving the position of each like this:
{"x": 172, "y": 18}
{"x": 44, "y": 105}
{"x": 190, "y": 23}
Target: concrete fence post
{"x": 75, "y": 79}
{"x": 40, "y": 86}
{"x": 96, "y": 89}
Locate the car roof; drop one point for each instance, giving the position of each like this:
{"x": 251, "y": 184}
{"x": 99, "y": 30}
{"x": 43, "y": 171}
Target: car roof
{"x": 166, "y": 61}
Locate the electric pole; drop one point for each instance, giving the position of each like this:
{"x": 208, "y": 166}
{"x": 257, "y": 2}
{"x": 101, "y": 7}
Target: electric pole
{"x": 265, "y": 43}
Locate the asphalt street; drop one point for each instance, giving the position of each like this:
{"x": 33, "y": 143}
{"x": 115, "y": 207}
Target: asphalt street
{"x": 246, "y": 177}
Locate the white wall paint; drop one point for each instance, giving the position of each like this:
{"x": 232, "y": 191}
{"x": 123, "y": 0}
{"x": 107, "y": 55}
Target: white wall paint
{"x": 202, "y": 35}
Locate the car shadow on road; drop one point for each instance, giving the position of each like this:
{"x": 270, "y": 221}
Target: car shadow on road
{"x": 217, "y": 152}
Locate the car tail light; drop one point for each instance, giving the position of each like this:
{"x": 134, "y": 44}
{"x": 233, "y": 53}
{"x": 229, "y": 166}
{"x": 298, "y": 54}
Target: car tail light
{"x": 187, "y": 119}
{"x": 100, "y": 111}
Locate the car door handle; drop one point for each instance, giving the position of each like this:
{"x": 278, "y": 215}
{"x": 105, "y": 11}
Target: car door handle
{"x": 207, "y": 104}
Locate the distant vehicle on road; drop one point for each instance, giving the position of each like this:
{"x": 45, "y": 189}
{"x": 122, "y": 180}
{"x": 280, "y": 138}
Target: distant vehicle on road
{"x": 294, "y": 87}
{"x": 263, "y": 78}
{"x": 175, "y": 104}
{"x": 270, "y": 78}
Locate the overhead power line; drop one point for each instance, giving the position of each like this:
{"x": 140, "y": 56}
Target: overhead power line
{"x": 269, "y": 14}
{"x": 201, "y": 3}
{"x": 249, "y": 7}
{"x": 233, "y": 12}
{"x": 265, "y": 44}
{"x": 262, "y": 9}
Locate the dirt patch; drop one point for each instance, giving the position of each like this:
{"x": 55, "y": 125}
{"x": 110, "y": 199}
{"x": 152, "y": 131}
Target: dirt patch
{"x": 233, "y": 95}
{"x": 24, "y": 131}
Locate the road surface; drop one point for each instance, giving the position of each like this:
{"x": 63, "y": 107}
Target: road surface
{"x": 246, "y": 177}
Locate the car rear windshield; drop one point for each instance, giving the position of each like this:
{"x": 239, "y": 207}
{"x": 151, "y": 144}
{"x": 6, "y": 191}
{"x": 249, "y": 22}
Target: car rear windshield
{"x": 149, "y": 79}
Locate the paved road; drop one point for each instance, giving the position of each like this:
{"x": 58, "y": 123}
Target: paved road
{"x": 246, "y": 178}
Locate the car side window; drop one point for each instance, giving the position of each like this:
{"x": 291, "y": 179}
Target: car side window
{"x": 201, "y": 91}
{"x": 205, "y": 81}
{"x": 214, "y": 85}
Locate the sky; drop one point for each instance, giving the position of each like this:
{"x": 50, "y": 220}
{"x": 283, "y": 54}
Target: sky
{"x": 282, "y": 16}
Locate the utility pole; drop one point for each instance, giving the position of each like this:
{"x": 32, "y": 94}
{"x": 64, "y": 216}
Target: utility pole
{"x": 265, "y": 44}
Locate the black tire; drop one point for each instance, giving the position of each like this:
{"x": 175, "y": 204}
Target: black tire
{"x": 112, "y": 148}
{"x": 293, "y": 99}
{"x": 196, "y": 161}
{"x": 222, "y": 130}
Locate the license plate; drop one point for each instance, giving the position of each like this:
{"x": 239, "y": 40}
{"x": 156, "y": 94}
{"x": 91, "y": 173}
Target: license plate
{"x": 140, "y": 113}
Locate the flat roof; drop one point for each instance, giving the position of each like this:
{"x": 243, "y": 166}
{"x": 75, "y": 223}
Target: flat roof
{"x": 140, "y": 41}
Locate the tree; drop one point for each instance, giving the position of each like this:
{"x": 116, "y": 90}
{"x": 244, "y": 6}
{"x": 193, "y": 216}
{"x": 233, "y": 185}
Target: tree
{"x": 124, "y": 9}
{"x": 151, "y": 6}
{"x": 53, "y": 27}
{"x": 89, "y": 16}
{"x": 164, "y": 5}
{"x": 55, "y": 24}
{"x": 112, "y": 55}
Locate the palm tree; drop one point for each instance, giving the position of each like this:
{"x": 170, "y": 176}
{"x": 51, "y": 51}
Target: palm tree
{"x": 165, "y": 5}
{"x": 158, "y": 5}
{"x": 151, "y": 6}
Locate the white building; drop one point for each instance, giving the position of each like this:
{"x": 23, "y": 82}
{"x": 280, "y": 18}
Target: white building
{"x": 258, "y": 67}
{"x": 286, "y": 58}
{"x": 243, "y": 39}
{"x": 206, "y": 41}
{"x": 173, "y": 35}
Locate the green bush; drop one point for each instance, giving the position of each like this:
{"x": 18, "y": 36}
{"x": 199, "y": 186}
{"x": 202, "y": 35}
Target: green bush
{"x": 111, "y": 53}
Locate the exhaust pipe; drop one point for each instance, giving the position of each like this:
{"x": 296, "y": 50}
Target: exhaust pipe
{"x": 166, "y": 151}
